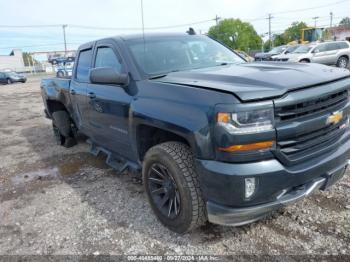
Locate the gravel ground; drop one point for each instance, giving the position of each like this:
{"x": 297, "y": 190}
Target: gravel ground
{"x": 65, "y": 201}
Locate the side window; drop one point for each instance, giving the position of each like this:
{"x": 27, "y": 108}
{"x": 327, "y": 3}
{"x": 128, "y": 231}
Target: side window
{"x": 343, "y": 45}
{"x": 321, "y": 48}
{"x": 105, "y": 57}
{"x": 2, "y": 75}
{"x": 332, "y": 46}
{"x": 83, "y": 65}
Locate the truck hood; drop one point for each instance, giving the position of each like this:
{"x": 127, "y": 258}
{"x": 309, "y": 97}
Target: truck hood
{"x": 257, "y": 81}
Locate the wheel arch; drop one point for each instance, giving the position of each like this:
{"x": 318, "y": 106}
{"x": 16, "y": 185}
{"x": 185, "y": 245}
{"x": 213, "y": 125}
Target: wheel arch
{"x": 148, "y": 135}
{"x": 305, "y": 59}
{"x": 54, "y": 105}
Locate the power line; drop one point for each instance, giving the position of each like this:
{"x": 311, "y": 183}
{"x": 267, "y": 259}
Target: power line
{"x": 43, "y": 45}
{"x": 310, "y": 8}
{"x": 28, "y": 26}
{"x": 168, "y": 26}
{"x": 110, "y": 28}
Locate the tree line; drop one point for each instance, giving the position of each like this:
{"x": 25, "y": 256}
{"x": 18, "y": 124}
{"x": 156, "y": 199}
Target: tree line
{"x": 240, "y": 35}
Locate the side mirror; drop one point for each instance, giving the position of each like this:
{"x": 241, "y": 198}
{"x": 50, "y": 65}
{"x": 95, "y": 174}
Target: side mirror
{"x": 108, "y": 75}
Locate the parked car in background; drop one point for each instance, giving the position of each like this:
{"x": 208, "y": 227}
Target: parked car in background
{"x": 64, "y": 69}
{"x": 283, "y": 55}
{"x": 327, "y": 53}
{"x": 11, "y": 77}
{"x": 268, "y": 56}
{"x": 244, "y": 55}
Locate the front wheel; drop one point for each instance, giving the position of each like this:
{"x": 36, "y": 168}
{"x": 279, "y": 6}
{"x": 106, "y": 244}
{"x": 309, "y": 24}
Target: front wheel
{"x": 172, "y": 187}
{"x": 304, "y": 61}
{"x": 9, "y": 81}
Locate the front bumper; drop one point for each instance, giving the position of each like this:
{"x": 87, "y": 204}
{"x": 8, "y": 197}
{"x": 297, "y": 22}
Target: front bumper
{"x": 222, "y": 185}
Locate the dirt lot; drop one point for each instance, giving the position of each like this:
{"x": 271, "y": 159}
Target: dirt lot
{"x": 59, "y": 201}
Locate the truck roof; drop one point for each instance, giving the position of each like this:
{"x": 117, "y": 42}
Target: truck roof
{"x": 149, "y": 35}
{"x": 133, "y": 37}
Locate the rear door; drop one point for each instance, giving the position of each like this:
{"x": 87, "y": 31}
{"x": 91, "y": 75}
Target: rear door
{"x": 78, "y": 89}
{"x": 109, "y": 104}
{"x": 320, "y": 56}
{"x": 332, "y": 52}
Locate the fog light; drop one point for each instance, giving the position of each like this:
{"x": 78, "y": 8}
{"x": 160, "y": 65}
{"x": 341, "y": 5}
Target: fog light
{"x": 249, "y": 187}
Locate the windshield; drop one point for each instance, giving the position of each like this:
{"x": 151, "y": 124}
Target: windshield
{"x": 303, "y": 49}
{"x": 277, "y": 50}
{"x": 12, "y": 74}
{"x": 161, "y": 55}
{"x": 291, "y": 48}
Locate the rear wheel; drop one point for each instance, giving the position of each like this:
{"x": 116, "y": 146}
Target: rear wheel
{"x": 172, "y": 187}
{"x": 343, "y": 62}
{"x": 9, "y": 81}
{"x": 304, "y": 61}
{"x": 60, "y": 74}
{"x": 62, "y": 129}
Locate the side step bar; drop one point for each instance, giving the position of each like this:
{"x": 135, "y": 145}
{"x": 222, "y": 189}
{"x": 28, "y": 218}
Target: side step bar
{"x": 113, "y": 160}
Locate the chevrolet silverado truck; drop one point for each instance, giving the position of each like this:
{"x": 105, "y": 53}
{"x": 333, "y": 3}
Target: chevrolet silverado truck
{"x": 214, "y": 138}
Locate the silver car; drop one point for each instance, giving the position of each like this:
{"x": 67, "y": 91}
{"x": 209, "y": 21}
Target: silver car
{"x": 283, "y": 56}
{"x": 327, "y": 53}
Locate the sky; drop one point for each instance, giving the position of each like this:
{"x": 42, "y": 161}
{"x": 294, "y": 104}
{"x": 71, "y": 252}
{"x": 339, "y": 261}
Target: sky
{"x": 124, "y": 16}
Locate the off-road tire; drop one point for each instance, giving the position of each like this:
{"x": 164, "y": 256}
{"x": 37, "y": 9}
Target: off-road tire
{"x": 179, "y": 160}
{"x": 62, "y": 127}
{"x": 343, "y": 62}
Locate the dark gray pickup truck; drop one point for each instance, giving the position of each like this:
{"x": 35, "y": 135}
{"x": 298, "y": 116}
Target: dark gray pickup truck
{"x": 216, "y": 138}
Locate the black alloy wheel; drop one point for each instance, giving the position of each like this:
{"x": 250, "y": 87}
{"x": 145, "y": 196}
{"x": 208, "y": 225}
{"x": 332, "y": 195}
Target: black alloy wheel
{"x": 164, "y": 191}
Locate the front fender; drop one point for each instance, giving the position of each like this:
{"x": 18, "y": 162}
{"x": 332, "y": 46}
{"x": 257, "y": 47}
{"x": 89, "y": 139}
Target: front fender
{"x": 188, "y": 121}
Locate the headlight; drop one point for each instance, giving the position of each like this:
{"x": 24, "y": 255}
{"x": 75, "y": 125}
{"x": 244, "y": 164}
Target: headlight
{"x": 247, "y": 122}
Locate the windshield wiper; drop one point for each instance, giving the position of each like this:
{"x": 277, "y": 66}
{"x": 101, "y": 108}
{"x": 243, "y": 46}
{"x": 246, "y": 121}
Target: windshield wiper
{"x": 163, "y": 75}
{"x": 157, "y": 76}
{"x": 227, "y": 63}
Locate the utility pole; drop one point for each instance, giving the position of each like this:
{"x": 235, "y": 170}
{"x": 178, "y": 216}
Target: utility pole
{"x": 33, "y": 63}
{"x": 217, "y": 18}
{"x": 64, "y": 39}
{"x": 270, "y": 36}
{"x": 315, "y": 18}
{"x": 331, "y": 25}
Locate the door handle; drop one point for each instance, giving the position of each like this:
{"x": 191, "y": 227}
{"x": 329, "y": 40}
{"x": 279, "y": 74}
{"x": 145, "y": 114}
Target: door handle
{"x": 91, "y": 95}
{"x": 72, "y": 92}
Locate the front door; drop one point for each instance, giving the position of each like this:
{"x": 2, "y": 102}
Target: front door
{"x": 109, "y": 105}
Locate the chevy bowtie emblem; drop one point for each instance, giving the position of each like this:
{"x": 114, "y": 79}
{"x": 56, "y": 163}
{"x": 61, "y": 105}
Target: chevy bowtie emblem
{"x": 335, "y": 117}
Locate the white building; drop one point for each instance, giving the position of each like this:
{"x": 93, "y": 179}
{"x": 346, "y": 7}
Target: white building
{"x": 14, "y": 61}
{"x": 341, "y": 32}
